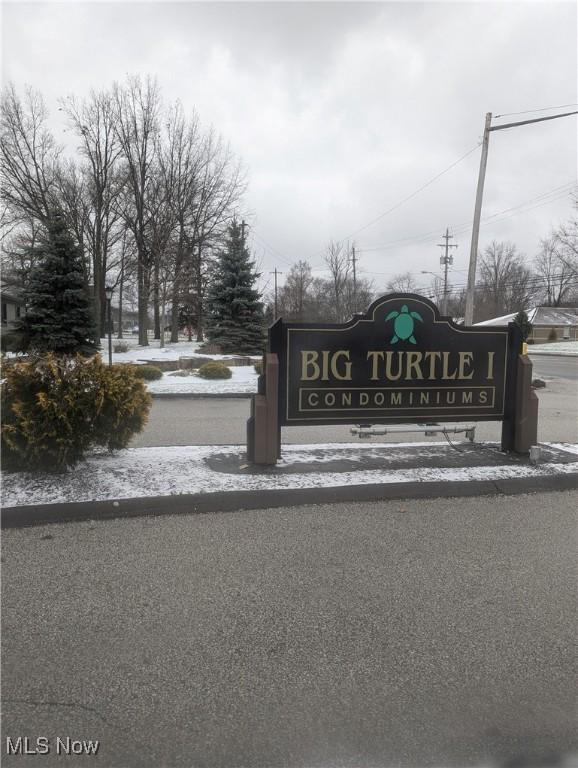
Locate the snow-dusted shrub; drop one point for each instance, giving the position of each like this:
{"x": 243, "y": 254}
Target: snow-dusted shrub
{"x": 148, "y": 372}
{"x": 258, "y": 368}
{"x": 121, "y": 346}
{"x": 215, "y": 370}
{"x": 54, "y": 409}
{"x": 553, "y": 335}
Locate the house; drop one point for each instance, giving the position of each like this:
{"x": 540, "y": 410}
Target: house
{"x": 562, "y": 320}
{"x": 12, "y": 308}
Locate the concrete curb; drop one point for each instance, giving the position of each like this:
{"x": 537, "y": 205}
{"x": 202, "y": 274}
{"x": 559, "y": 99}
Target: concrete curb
{"x": 234, "y": 501}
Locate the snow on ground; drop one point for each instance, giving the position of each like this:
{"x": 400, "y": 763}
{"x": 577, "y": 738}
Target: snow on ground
{"x": 154, "y": 351}
{"x": 243, "y": 381}
{"x": 555, "y": 348}
{"x": 174, "y": 470}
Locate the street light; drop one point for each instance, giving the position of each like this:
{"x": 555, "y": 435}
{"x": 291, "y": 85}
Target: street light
{"x": 109, "y": 290}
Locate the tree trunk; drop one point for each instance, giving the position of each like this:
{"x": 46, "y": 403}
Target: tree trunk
{"x": 120, "y": 287}
{"x": 156, "y": 303}
{"x": 175, "y": 316}
{"x": 200, "y": 307}
{"x": 143, "y": 282}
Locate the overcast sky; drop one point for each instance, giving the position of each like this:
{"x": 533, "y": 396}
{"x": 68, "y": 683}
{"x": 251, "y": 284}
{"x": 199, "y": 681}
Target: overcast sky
{"x": 341, "y": 110}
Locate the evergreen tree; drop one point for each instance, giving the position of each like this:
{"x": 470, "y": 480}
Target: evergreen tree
{"x": 523, "y": 322}
{"x": 235, "y": 319}
{"x": 59, "y": 313}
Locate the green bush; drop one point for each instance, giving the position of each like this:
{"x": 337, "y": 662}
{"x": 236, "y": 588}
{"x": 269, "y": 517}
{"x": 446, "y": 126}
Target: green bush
{"x": 258, "y": 368}
{"x": 55, "y": 409}
{"x": 12, "y": 341}
{"x": 148, "y": 372}
{"x": 553, "y": 336}
{"x": 215, "y": 370}
{"x": 121, "y": 346}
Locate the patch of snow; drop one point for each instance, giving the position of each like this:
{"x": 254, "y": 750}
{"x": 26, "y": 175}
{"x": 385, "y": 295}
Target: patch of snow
{"x": 174, "y": 470}
{"x": 243, "y": 381}
{"x": 139, "y": 354}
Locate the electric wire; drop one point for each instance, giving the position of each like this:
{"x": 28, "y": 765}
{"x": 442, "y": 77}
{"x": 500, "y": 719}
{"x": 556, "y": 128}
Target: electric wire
{"x": 528, "y": 111}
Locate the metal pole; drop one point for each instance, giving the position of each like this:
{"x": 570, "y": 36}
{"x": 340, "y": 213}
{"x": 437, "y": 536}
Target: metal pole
{"x": 276, "y": 293}
{"x": 109, "y": 332}
{"x": 469, "y": 314}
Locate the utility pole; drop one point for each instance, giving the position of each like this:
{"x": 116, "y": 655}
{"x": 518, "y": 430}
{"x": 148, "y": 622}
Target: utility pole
{"x": 446, "y": 260}
{"x": 488, "y": 128}
{"x": 353, "y": 262}
{"x": 276, "y": 272}
{"x": 243, "y": 225}
{"x": 469, "y": 314}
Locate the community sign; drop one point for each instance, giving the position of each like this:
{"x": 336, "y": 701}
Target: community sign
{"x": 400, "y": 362}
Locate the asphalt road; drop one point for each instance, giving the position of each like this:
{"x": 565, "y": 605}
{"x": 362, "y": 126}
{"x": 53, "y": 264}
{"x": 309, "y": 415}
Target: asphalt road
{"x": 555, "y": 366}
{"x": 184, "y": 421}
{"x": 426, "y": 633}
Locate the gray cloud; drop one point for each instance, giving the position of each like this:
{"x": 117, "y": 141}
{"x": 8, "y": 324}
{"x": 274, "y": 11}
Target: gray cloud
{"x": 341, "y": 110}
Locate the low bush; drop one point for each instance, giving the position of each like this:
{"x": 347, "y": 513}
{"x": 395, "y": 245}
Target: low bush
{"x": 121, "y": 346}
{"x": 553, "y": 336}
{"x": 258, "y": 368}
{"x": 55, "y": 409}
{"x": 215, "y": 370}
{"x": 12, "y": 341}
{"x": 148, "y": 372}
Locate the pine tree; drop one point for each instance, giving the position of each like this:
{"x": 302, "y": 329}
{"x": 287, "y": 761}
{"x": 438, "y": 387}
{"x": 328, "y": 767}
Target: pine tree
{"x": 235, "y": 318}
{"x": 59, "y": 314}
{"x": 523, "y": 322}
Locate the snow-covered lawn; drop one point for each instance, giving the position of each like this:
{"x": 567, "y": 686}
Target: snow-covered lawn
{"x": 555, "y": 348}
{"x": 147, "y": 472}
{"x": 243, "y": 381}
{"x": 154, "y": 351}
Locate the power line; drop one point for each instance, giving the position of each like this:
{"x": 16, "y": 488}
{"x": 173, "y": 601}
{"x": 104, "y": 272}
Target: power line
{"x": 528, "y": 111}
{"x": 464, "y": 226}
{"x": 413, "y": 194}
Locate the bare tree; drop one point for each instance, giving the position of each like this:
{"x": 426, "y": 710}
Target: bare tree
{"x": 136, "y": 120}
{"x": 505, "y": 284}
{"x": 402, "y": 283}
{"x": 338, "y": 264}
{"x": 557, "y": 274}
{"x": 93, "y": 119}
{"x": 29, "y": 156}
{"x": 294, "y": 295}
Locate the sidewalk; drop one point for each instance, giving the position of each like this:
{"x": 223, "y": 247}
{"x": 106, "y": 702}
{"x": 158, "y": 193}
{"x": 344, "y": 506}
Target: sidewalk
{"x": 175, "y": 479}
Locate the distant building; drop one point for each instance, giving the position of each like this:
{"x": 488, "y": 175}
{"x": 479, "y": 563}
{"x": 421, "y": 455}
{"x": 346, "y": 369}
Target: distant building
{"x": 563, "y": 320}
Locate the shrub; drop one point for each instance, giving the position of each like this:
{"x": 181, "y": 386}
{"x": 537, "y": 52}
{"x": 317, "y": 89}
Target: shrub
{"x": 54, "y": 409}
{"x": 553, "y": 336}
{"x": 208, "y": 348}
{"x": 12, "y": 341}
{"x": 215, "y": 370}
{"x": 258, "y": 368}
{"x": 121, "y": 346}
{"x": 147, "y": 372}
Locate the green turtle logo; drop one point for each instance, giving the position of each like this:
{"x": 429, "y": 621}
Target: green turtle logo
{"x": 403, "y": 324}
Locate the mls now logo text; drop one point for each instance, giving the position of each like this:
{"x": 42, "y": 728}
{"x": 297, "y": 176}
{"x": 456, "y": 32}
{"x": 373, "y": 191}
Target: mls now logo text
{"x": 43, "y": 745}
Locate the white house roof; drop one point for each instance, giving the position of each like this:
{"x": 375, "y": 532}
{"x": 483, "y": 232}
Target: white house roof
{"x": 540, "y": 316}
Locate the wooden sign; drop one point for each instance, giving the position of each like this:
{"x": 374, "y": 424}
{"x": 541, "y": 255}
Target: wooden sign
{"x": 400, "y": 362}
